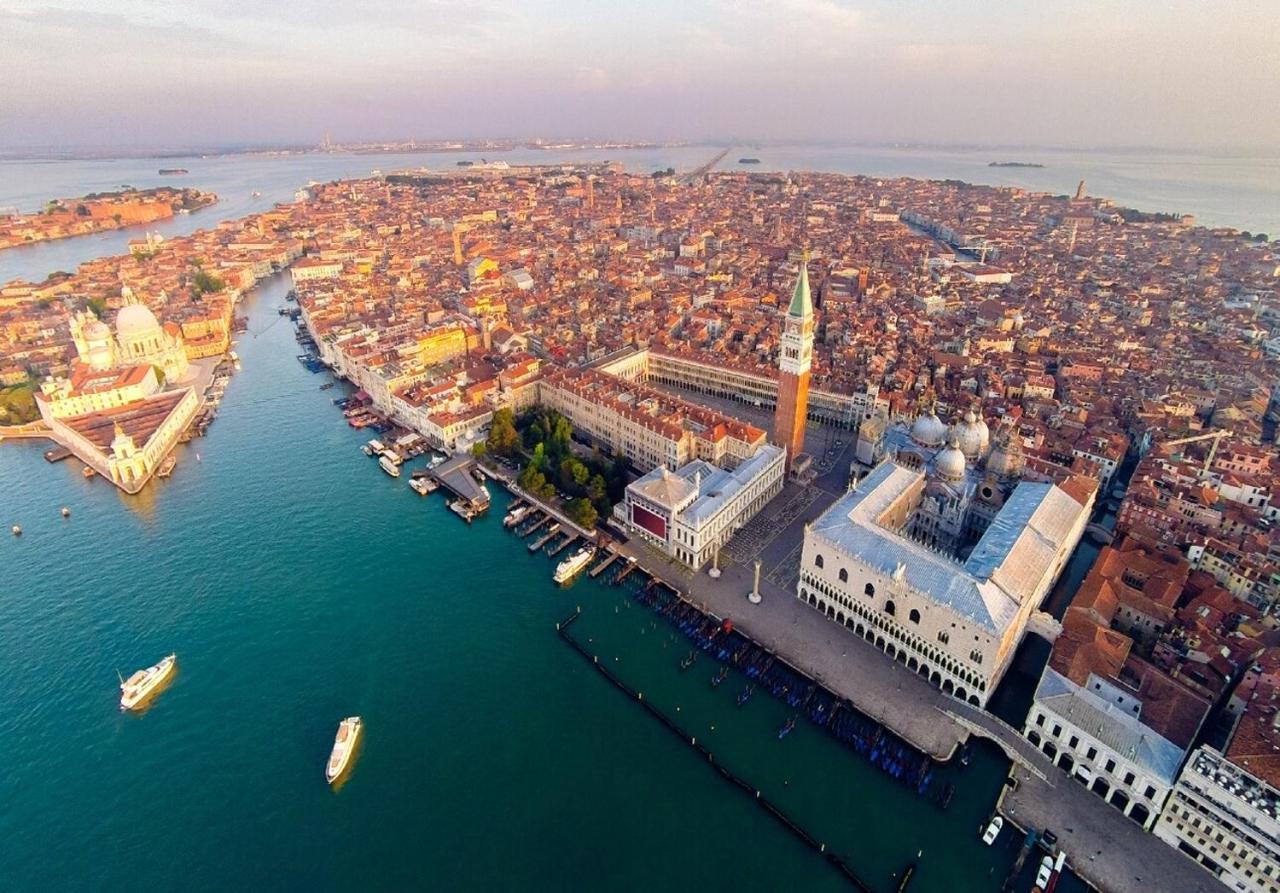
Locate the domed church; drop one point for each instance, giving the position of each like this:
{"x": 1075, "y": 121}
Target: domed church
{"x": 139, "y": 339}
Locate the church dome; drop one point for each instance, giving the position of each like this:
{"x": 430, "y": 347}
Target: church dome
{"x": 949, "y": 464}
{"x": 136, "y": 321}
{"x": 972, "y": 435}
{"x": 1006, "y": 460}
{"x": 96, "y": 331}
{"x": 929, "y": 430}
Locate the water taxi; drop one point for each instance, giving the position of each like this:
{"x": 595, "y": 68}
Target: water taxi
{"x": 993, "y": 830}
{"x": 786, "y": 728}
{"x": 423, "y": 486}
{"x": 166, "y": 467}
{"x": 719, "y": 677}
{"x": 688, "y": 660}
{"x": 745, "y": 694}
{"x": 235, "y": 359}
{"x": 344, "y": 745}
{"x": 390, "y": 467}
{"x": 516, "y": 515}
{"x": 463, "y": 510}
{"x": 135, "y": 690}
{"x": 573, "y": 565}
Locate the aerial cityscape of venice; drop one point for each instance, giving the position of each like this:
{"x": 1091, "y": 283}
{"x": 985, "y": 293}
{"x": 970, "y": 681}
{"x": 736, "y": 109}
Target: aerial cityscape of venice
{"x": 828, "y": 477}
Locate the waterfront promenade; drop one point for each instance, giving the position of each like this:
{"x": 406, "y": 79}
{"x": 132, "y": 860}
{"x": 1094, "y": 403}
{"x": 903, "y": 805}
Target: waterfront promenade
{"x": 1104, "y": 847}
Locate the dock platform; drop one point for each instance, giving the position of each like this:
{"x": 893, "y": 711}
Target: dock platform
{"x": 455, "y": 476}
{"x": 569, "y": 540}
{"x": 604, "y": 565}
{"x": 544, "y": 539}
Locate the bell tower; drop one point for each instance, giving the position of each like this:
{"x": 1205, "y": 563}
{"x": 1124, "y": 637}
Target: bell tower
{"x": 794, "y": 361}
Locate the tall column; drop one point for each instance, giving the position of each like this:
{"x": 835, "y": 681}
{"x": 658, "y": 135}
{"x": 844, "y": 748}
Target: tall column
{"x": 754, "y": 597}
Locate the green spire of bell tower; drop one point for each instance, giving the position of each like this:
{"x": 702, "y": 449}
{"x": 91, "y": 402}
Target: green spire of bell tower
{"x": 801, "y": 302}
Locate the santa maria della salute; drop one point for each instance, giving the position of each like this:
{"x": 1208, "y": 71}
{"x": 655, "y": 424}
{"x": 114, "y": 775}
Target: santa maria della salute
{"x": 128, "y": 396}
{"x": 139, "y": 339}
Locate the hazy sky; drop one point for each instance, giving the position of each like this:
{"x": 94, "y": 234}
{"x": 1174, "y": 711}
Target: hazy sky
{"x": 1046, "y": 72}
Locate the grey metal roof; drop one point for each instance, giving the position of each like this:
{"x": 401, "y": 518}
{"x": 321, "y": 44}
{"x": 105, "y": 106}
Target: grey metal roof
{"x": 1005, "y": 569}
{"x": 1115, "y": 727}
{"x": 714, "y": 487}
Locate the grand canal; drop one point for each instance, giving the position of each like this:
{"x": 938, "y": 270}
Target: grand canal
{"x": 298, "y": 585}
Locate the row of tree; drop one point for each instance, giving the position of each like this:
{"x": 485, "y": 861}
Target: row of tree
{"x": 543, "y": 441}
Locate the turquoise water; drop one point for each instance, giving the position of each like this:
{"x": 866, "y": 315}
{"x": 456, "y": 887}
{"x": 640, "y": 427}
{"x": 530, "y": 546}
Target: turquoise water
{"x": 298, "y": 585}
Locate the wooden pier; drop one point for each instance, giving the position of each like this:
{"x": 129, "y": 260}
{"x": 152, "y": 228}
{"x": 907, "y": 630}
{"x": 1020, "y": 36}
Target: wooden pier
{"x": 545, "y": 519}
{"x": 626, "y": 571}
{"x": 569, "y": 540}
{"x": 544, "y": 539}
{"x": 602, "y": 566}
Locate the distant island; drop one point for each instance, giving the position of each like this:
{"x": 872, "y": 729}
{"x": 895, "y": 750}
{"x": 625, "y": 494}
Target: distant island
{"x": 748, "y": 161}
{"x": 1014, "y": 164}
{"x": 98, "y": 212}
{"x": 171, "y": 171}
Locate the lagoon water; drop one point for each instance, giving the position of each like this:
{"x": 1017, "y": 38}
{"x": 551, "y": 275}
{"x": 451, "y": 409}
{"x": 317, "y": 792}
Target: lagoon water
{"x": 298, "y": 585}
{"x": 1240, "y": 190}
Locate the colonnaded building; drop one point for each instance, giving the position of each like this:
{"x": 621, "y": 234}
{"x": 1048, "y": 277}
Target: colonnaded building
{"x": 885, "y": 560}
{"x": 692, "y": 512}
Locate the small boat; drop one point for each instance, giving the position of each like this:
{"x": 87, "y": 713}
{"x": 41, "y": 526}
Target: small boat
{"x": 135, "y": 690}
{"x": 719, "y": 677}
{"x": 786, "y": 728}
{"x": 460, "y": 508}
{"x": 255, "y": 194}
{"x": 166, "y": 467}
{"x": 389, "y": 466}
{"x": 366, "y": 449}
{"x": 88, "y": 472}
{"x": 516, "y": 515}
{"x": 423, "y": 486}
{"x": 235, "y": 359}
{"x": 573, "y": 565}
{"x": 327, "y": 385}
{"x": 344, "y": 745}
{"x": 993, "y": 830}
{"x": 745, "y": 694}
{"x": 688, "y": 660}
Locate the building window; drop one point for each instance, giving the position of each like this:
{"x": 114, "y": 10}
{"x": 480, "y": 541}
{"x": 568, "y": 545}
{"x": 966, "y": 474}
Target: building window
{"x": 1150, "y": 792}
{"x": 889, "y": 608}
{"x": 868, "y": 590}
{"x": 944, "y": 637}
{"x": 914, "y": 616}
{"x": 1129, "y": 778}
{"x": 1111, "y": 765}
{"x": 1040, "y": 719}
{"x": 844, "y": 575}
{"x": 817, "y": 561}
{"x": 1092, "y": 753}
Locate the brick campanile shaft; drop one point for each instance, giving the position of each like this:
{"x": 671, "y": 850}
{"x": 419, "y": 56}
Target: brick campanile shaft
{"x": 794, "y": 361}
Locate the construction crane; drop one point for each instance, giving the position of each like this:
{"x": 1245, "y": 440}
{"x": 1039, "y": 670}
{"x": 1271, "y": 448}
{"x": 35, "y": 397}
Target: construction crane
{"x": 1215, "y": 436}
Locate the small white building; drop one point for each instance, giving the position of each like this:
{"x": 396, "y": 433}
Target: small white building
{"x": 691, "y": 512}
{"x": 1226, "y": 819}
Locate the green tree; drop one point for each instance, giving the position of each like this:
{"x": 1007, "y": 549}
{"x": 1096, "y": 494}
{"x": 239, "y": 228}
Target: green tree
{"x": 479, "y": 450}
{"x": 504, "y": 439}
{"x": 204, "y": 284}
{"x": 583, "y": 513}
